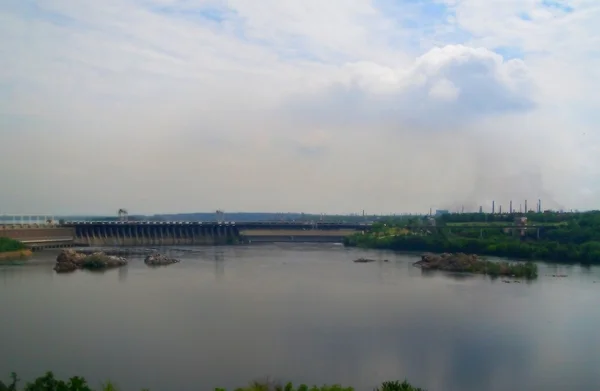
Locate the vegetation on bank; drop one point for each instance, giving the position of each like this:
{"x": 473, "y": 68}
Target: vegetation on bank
{"x": 562, "y": 237}
{"x": 9, "y": 245}
{"x": 49, "y": 383}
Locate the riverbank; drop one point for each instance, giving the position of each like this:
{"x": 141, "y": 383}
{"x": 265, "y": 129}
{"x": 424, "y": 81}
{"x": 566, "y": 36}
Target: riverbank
{"x": 11, "y": 250}
{"x": 49, "y": 383}
{"x": 15, "y": 255}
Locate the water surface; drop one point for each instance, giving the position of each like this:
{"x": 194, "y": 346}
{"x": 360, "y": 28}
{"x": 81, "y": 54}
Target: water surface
{"x": 227, "y": 315}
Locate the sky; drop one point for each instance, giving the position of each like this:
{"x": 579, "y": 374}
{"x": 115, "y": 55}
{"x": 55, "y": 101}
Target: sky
{"x": 337, "y": 106}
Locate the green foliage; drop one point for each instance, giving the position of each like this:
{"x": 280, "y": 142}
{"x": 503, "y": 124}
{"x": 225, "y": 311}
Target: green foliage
{"x": 565, "y": 237}
{"x": 94, "y": 262}
{"x": 262, "y": 386}
{"x": 109, "y": 386}
{"x": 7, "y": 244}
{"x": 49, "y": 383}
{"x": 397, "y": 386}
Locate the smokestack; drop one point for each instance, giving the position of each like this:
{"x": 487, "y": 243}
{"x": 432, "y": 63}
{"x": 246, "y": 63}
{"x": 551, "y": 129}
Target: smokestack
{"x": 500, "y": 209}
{"x": 526, "y": 210}
{"x": 520, "y": 209}
{"x": 462, "y": 209}
{"x": 493, "y": 207}
{"x": 430, "y": 214}
{"x": 480, "y": 209}
{"x": 540, "y": 205}
{"x": 510, "y": 209}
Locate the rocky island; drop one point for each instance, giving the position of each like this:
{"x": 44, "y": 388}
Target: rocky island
{"x": 471, "y": 263}
{"x": 70, "y": 260}
{"x": 159, "y": 260}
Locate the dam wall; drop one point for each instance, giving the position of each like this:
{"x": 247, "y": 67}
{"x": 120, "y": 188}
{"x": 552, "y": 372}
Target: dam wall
{"x": 160, "y": 233}
{"x": 155, "y": 235}
{"x": 295, "y": 235}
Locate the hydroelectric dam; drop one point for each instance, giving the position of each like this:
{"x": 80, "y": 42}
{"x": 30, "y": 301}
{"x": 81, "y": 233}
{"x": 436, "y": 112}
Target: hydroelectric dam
{"x": 162, "y": 233}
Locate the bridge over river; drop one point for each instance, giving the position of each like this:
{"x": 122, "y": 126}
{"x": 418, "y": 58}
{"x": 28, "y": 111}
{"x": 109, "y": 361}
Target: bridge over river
{"x": 165, "y": 233}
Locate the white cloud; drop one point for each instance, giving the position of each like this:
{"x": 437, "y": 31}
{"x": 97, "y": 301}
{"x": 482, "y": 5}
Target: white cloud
{"x": 177, "y": 105}
{"x": 444, "y": 89}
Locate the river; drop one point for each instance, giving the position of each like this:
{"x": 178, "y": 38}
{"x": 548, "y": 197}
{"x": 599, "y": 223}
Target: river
{"x": 228, "y": 315}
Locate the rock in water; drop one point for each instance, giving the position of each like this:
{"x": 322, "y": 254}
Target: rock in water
{"x": 71, "y": 256}
{"x": 364, "y": 260}
{"x": 70, "y": 260}
{"x": 458, "y": 262}
{"x": 159, "y": 260}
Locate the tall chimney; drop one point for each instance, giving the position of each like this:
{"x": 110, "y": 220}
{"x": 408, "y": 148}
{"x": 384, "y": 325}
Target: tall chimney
{"x": 526, "y": 210}
{"x": 510, "y": 209}
{"x": 480, "y": 209}
{"x": 500, "y": 209}
{"x": 540, "y": 206}
{"x": 493, "y": 207}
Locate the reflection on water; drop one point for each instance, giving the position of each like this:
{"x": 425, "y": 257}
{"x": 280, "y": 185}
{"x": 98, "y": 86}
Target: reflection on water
{"x": 226, "y": 315}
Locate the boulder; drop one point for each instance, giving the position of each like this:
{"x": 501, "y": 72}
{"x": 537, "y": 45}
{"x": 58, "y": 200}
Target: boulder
{"x": 65, "y": 267}
{"x": 70, "y": 256}
{"x": 159, "y": 260}
{"x": 70, "y": 260}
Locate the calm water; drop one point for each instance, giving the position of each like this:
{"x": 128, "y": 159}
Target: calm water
{"x": 228, "y": 315}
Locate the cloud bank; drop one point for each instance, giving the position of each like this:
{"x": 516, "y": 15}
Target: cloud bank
{"x": 194, "y": 105}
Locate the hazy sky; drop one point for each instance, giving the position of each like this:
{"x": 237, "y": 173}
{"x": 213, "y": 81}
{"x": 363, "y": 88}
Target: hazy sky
{"x": 297, "y": 105}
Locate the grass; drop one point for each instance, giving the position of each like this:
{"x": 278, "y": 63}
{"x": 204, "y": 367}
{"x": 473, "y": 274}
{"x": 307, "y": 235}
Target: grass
{"x": 49, "y": 383}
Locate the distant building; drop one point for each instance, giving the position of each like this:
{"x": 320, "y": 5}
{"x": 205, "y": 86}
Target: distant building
{"x": 439, "y": 212}
{"x": 430, "y": 221}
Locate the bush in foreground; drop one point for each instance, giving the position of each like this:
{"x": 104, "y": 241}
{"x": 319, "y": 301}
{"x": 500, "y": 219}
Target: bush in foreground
{"x": 8, "y": 244}
{"x": 49, "y": 383}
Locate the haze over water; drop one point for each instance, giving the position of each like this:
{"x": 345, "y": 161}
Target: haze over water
{"x": 228, "y": 315}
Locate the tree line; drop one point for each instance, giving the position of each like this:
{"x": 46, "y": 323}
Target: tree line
{"x": 574, "y": 238}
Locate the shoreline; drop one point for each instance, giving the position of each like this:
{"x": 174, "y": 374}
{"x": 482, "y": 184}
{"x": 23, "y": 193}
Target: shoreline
{"x": 15, "y": 255}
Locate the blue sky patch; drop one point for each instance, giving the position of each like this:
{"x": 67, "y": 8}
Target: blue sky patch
{"x": 201, "y": 14}
{"x": 510, "y": 52}
{"x": 556, "y": 4}
{"x": 428, "y": 23}
{"x": 32, "y": 11}
{"x": 524, "y": 16}
{"x": 414, "y": 14}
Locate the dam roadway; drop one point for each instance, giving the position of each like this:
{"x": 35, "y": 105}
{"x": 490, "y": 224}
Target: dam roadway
{"x": 165, "y": 233}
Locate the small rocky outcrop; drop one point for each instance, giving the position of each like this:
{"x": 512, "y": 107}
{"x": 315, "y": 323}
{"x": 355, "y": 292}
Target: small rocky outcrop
{"x": 364, "y": 260}
{"x": 159, "y": 260}
{"x": 367, "y": 260}
{"x": 70, "y": 260}
{"x": 458, "y": 262}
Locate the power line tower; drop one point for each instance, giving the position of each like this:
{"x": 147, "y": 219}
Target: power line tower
{"x": 123, "y": 215}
